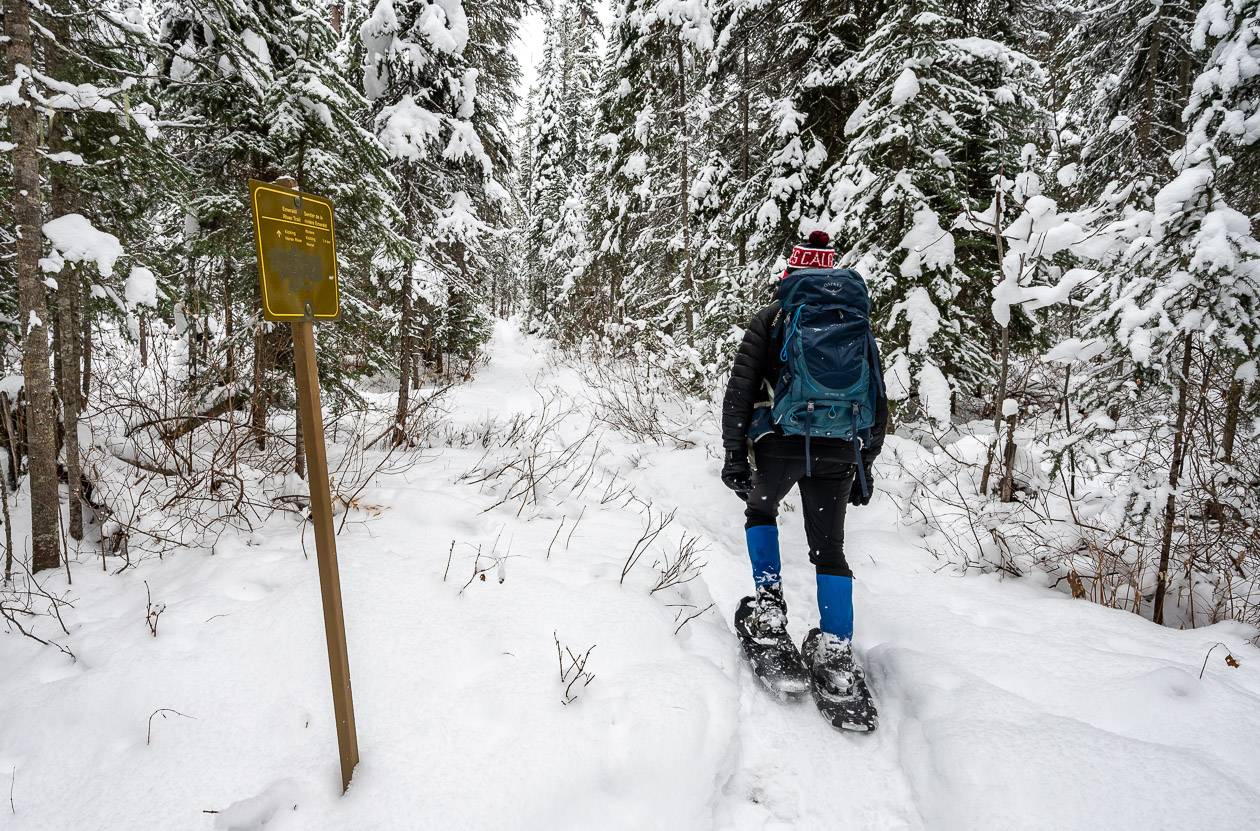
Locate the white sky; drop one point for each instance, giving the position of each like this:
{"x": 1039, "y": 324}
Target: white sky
{"x": 529, "y": 45}
{"x": 529, "y": 48}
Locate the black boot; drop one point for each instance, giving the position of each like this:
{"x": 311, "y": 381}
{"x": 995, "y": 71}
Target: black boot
{"x": 838, "y": 683}
{"x": 761, "y": 623}
{"x": 763, "y": 615}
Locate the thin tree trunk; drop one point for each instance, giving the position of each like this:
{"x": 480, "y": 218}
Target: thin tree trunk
{"x": 744, "y": 161}
{"x": 190, "y": 319}
{"x": 258, "y": 396}
{"x": 229, "y": 326}
{"x": 55, "y": 309}
{"x": 142, "y": 336}
{"x": 1067, "y": 405}
{"x": 299, "y": 443}
{"x": 1000, "y": 395}
{"x": 33, "y": 314}
{"x": 8, "y": 532}
{"x": 85, "y": 312}
{"x": 1006, "y": 489}
{"x": 1174, "y": 477}
{"x": 10, "y": 434}
{"x": 62, "y": 195}
{"x": 614, "y": 284}
{"x": 405, "y": 359}
{"x": 684, "y": 188}
{"x": 1153, "y": 54}
{"x": 1233, "y": 409}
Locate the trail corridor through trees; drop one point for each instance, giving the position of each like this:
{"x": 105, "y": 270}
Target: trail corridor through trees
{"x": 538, "y": 613}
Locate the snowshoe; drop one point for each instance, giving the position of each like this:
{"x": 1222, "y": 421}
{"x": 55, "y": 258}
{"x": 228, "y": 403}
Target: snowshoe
{"x": 761, "y": 623}
{"x": 838, "y": 683}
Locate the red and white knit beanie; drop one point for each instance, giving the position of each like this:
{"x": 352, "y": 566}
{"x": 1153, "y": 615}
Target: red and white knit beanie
{"x": 815, "y": 252}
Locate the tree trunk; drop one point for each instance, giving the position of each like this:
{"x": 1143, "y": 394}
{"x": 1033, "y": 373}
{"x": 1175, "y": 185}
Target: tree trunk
{"x": 11, "y": 440}
{"x": 1000, "y": 394}
{"x": 744, "y": 161}
{"x": 229, "y": 326}
{"x": 684, "y": 189}
{"x": 258, "y": 398}
{"x": 405, "y": 359}
{"x": 85, "y": 312}
{"x": 62, "y": 196}
{"x": 299, "y": 443}
{"x": 1006, "y": 489}
{"x": 1233, "y": 409}
{"x": 32, "y": 303}
{"x": 1152, "y": 57}
{"x": 190, "y": 320}
{"x": 8, "y": 531}
{"x": 1174, "y": 477}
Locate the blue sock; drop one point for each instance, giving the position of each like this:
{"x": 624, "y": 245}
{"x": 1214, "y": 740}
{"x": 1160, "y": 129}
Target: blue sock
{"x": 835, "y": 605}
{"x": 763, "y": 551}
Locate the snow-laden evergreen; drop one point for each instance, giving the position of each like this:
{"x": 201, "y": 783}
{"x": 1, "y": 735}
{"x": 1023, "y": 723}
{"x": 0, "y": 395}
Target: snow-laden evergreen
{"x": 1055, "y": 205}
{"x": 646, "y": 158}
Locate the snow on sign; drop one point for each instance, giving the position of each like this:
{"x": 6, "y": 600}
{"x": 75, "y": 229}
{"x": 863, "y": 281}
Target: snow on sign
{"x": 297, "y": 253}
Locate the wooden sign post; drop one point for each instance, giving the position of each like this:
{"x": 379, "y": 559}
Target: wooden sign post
{"x": 297, "y": 274}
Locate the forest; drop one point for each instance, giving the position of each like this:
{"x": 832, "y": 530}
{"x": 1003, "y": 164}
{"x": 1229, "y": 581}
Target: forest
{"x": 1055, "y": 205}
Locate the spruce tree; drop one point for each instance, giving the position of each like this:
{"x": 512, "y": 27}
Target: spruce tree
{"x": 646, "y": 162}
{"x": 914, "y": 161}
{"x": 262, "y": 91}
{"x": 560, "y": 128}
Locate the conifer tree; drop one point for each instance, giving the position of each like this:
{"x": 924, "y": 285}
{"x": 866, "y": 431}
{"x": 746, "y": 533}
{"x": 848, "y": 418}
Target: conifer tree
{"x": 78, "y": 118}
{"x": 914, "y": 161}
{"x": 647, "y": 165}
{"x": 560, "y": 129}
{"x": 1128, "y": 65}
{"x": 264, "y": 92}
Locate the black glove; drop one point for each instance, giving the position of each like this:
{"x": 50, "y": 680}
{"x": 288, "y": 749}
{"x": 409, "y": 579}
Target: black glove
{"x": 737, "y": 473}
{"x": 856, "y": 497}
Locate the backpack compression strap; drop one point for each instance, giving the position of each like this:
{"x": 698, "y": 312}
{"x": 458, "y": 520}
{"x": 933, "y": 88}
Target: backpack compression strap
{"x": 872, "y": 350}
{"x": 857, "y": 453}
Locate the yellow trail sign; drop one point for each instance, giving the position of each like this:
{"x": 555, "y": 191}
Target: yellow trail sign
{"x": 297, "y": 272}
{"x": 297, "y": 253}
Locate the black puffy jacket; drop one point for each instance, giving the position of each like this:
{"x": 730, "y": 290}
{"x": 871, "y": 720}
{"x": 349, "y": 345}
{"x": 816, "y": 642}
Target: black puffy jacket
{"x": 755, "y": 373}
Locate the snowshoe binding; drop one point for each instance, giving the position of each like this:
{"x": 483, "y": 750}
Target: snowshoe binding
{"x": 761, "y": 623}
{"x": 838, "y": 683}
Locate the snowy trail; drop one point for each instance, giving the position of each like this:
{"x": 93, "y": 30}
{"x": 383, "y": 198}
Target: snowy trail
{"x": 1004, "y": 705}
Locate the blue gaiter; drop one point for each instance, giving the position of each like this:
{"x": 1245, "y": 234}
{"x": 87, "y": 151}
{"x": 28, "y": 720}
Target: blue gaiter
{"x": 763, "y": 551}
{"x": 835, "y": 605}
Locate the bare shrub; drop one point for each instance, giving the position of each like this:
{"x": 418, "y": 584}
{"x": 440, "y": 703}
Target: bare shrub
{"x": 153, "y": 611}
{"x": 652, "y": 529}
{"x": 683, "y": 566}
{"x": 574, "y": 676}
{"x": 636, "y": 395}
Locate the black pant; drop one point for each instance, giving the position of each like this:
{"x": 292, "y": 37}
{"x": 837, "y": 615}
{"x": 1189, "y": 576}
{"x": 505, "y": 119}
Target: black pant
{"x": 824, "y": 494}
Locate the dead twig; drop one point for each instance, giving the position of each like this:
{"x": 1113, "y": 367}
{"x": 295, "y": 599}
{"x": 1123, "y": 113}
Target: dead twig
{"x": 691, "y": 617}
{"x": 162, "y": 711}
{"x": 152, "y": 611}
{"x": 575, "y": 672}
{"x": 1230, "y": 660}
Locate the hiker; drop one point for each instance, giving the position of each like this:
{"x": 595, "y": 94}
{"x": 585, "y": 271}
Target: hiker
{"x": 806, "y": 399}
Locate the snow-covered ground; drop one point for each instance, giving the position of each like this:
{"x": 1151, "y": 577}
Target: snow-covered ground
{"x": 1004, "y": 705}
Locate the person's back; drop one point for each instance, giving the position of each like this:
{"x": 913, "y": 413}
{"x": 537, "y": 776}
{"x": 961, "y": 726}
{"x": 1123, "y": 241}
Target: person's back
{"x": 825, "y": 448}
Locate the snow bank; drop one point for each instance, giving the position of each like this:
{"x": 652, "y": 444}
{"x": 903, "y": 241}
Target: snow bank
{"x": 1005, "y": 705}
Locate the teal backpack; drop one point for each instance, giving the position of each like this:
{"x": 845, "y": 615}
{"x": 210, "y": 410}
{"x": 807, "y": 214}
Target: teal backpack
{"x": 830, "y": 382}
